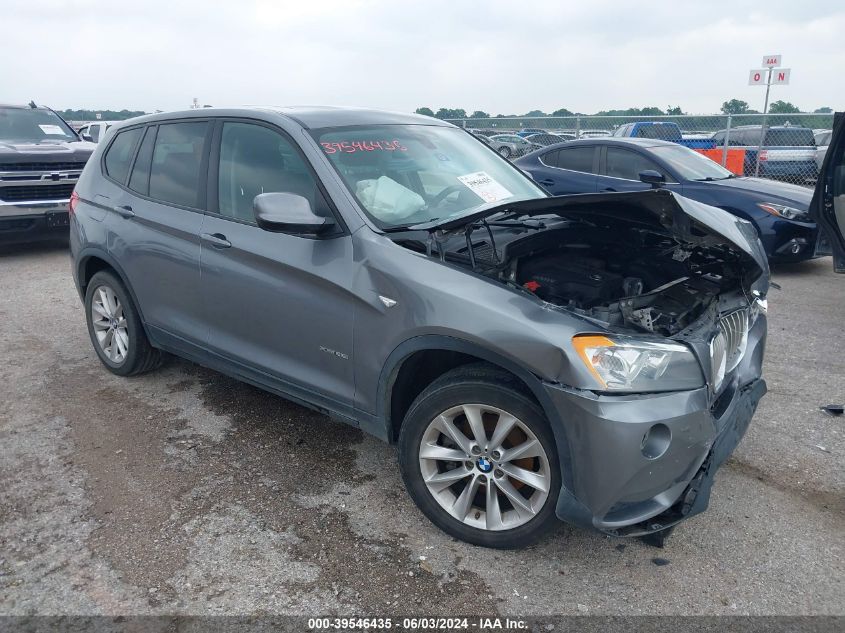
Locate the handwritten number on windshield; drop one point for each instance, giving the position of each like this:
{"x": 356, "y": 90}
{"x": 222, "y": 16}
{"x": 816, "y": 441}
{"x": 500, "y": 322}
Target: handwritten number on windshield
{"x": 350, "y": 147}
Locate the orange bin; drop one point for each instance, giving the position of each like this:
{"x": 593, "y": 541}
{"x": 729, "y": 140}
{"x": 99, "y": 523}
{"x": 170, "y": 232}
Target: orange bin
{"x": 735, "y": 159}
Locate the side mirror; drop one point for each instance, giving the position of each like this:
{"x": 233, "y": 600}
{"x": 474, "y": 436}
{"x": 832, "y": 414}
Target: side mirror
{"x": 653, "y": 178}
{"x": 87, "y": 137}
{"x": 288, "y": 213}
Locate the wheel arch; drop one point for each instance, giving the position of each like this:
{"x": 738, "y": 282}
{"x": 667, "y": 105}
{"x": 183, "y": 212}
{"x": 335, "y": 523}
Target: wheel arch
{"x": 466, "y": 352}
{"x": 90, "y": 261}
{"x": 418, "y": 361}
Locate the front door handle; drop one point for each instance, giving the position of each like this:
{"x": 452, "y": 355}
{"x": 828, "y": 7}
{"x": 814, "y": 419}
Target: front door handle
{"x": 124, "y": 211}
{"x": 548, "y": 182}
{"x": 217, "y": 240}
{"x": 608, "y": 189}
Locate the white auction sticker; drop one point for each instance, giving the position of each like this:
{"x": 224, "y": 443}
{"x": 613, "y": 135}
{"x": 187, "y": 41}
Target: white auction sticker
{"x": 485, "y": 187}
{"x": 52, "y": 129}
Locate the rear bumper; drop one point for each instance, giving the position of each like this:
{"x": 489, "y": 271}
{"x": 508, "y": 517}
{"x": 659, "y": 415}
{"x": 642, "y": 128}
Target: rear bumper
{"x": 639, "y": 463}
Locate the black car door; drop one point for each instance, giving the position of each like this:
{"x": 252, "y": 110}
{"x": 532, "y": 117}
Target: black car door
{"x": 828, "y": 205}
{"x": 568, "y": 170}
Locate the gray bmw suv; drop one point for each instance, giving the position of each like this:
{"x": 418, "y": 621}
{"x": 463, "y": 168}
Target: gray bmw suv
{"x": 590, "y": 358}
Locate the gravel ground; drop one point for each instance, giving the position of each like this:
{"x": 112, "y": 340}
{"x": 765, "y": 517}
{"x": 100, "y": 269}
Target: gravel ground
{"x": 183, "y": 491}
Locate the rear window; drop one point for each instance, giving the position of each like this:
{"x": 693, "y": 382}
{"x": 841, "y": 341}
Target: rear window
{"x": 120, "y": 153}
{"x": 659, "y": 131}
{"x": 175, "y": 170}
{"x": 576, "y": 159}
{"x": 790, "y": 137}
{"x": 140, "y": 179}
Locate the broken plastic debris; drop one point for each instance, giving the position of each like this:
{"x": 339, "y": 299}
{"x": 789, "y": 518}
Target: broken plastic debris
{"x": 833, "y": 409}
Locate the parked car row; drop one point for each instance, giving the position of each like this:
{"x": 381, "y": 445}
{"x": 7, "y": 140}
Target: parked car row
{"x": 515, "y": 145}
{"x": 787, "y": 152}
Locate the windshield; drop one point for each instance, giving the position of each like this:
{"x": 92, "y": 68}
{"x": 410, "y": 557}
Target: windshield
{"x": 413, "y": 174}
{"x": 691, "y": 165}
{"x": 33, "y": 124}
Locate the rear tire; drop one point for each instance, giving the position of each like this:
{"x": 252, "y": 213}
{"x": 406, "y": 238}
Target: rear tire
{"x": 115, "y": 327}
{"x": 497, "y": 484}
{"x": 504, "y": 151}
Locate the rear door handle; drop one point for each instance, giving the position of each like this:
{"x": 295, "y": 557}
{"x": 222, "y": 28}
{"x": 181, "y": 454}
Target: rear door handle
{"x": 124, "y": 211}
{"x": 217, "y": 240}
{"x": 548, "y": 182}
{"x": 608, "y": 189}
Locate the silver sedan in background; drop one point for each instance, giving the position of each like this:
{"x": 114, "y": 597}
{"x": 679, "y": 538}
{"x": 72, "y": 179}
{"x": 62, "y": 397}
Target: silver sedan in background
{"x": 511, "y": 145}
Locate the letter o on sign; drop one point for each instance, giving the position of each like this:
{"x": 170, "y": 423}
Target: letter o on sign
{"x": 756, "y": 77}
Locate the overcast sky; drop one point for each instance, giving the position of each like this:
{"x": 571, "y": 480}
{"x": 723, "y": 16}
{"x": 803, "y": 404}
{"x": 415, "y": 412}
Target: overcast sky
{"x": 501, "y": 56}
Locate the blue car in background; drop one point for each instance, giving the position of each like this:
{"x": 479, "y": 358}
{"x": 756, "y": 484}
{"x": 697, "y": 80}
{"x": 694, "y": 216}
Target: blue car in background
{"x": 663, "y": 131}
{"x": 778, "y": 210}
{"x": 531, "y": 130}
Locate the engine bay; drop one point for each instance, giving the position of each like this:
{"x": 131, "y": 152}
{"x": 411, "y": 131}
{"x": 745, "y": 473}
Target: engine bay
{"x": 620, "y": 274}
{"x": 633, "y": 279}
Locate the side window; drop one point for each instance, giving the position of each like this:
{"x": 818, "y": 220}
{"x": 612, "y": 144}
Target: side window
{"x": 719, "y": 138}
{"x": 550, "y": 158}
{"x": 120, "y": 152}
{"x": 177, "y": 156}
{"x": 622, "y": 163}
{"x": 752, "y": 137}
{"x": 577, "y": 159}
{"x": 140, "y": 179}
{"x": 255, "y": 160}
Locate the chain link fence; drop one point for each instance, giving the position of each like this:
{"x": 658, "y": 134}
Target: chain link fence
{"x": 786, "y": 147}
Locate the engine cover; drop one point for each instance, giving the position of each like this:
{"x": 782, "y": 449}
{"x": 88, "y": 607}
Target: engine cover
{"x": 560, "y": 280}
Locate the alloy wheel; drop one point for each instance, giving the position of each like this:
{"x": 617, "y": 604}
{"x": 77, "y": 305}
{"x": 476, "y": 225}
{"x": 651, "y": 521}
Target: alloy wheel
{"x": 485, "y": 467}
{"x": 110, "y": 327}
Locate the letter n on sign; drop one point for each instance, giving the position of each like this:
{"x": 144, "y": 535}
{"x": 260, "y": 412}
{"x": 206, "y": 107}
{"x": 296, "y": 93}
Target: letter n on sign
{"x": 780, "y": 75}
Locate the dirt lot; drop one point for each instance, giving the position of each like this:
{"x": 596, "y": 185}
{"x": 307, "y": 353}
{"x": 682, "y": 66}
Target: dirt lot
{"x": 183, "y": 491}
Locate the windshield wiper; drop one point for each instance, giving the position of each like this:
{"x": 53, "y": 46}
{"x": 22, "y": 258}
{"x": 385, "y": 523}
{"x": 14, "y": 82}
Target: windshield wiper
{"x": 711, "y": 179}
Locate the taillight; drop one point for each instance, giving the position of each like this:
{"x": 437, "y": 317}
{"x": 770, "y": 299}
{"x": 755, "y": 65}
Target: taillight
{"x": 764, "y": 155}
{"x": 74, "y": 200}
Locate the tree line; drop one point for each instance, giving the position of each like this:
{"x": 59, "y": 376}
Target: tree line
{"x": 733, "y": 106}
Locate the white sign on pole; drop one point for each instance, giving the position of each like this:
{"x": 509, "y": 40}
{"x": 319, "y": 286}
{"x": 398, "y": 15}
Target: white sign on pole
{"x": 781, "y": 76}
{"x": 757, "y": 78}
{"x": 771, "y": 61}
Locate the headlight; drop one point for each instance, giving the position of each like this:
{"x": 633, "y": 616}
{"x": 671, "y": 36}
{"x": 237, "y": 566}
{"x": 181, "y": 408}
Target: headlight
{"x": 627, "y": 364}
{"x": 782, "y": 211}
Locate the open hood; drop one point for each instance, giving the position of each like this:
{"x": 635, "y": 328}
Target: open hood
{"x": 687, "y": 220}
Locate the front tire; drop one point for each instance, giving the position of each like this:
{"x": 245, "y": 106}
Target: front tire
{"x": 479, "y": 459}
{"x": 115, "y": 327}
{"x": 505, "y": 151}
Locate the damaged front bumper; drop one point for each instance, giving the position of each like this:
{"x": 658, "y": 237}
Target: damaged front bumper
{"x": 636, "y": 464}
